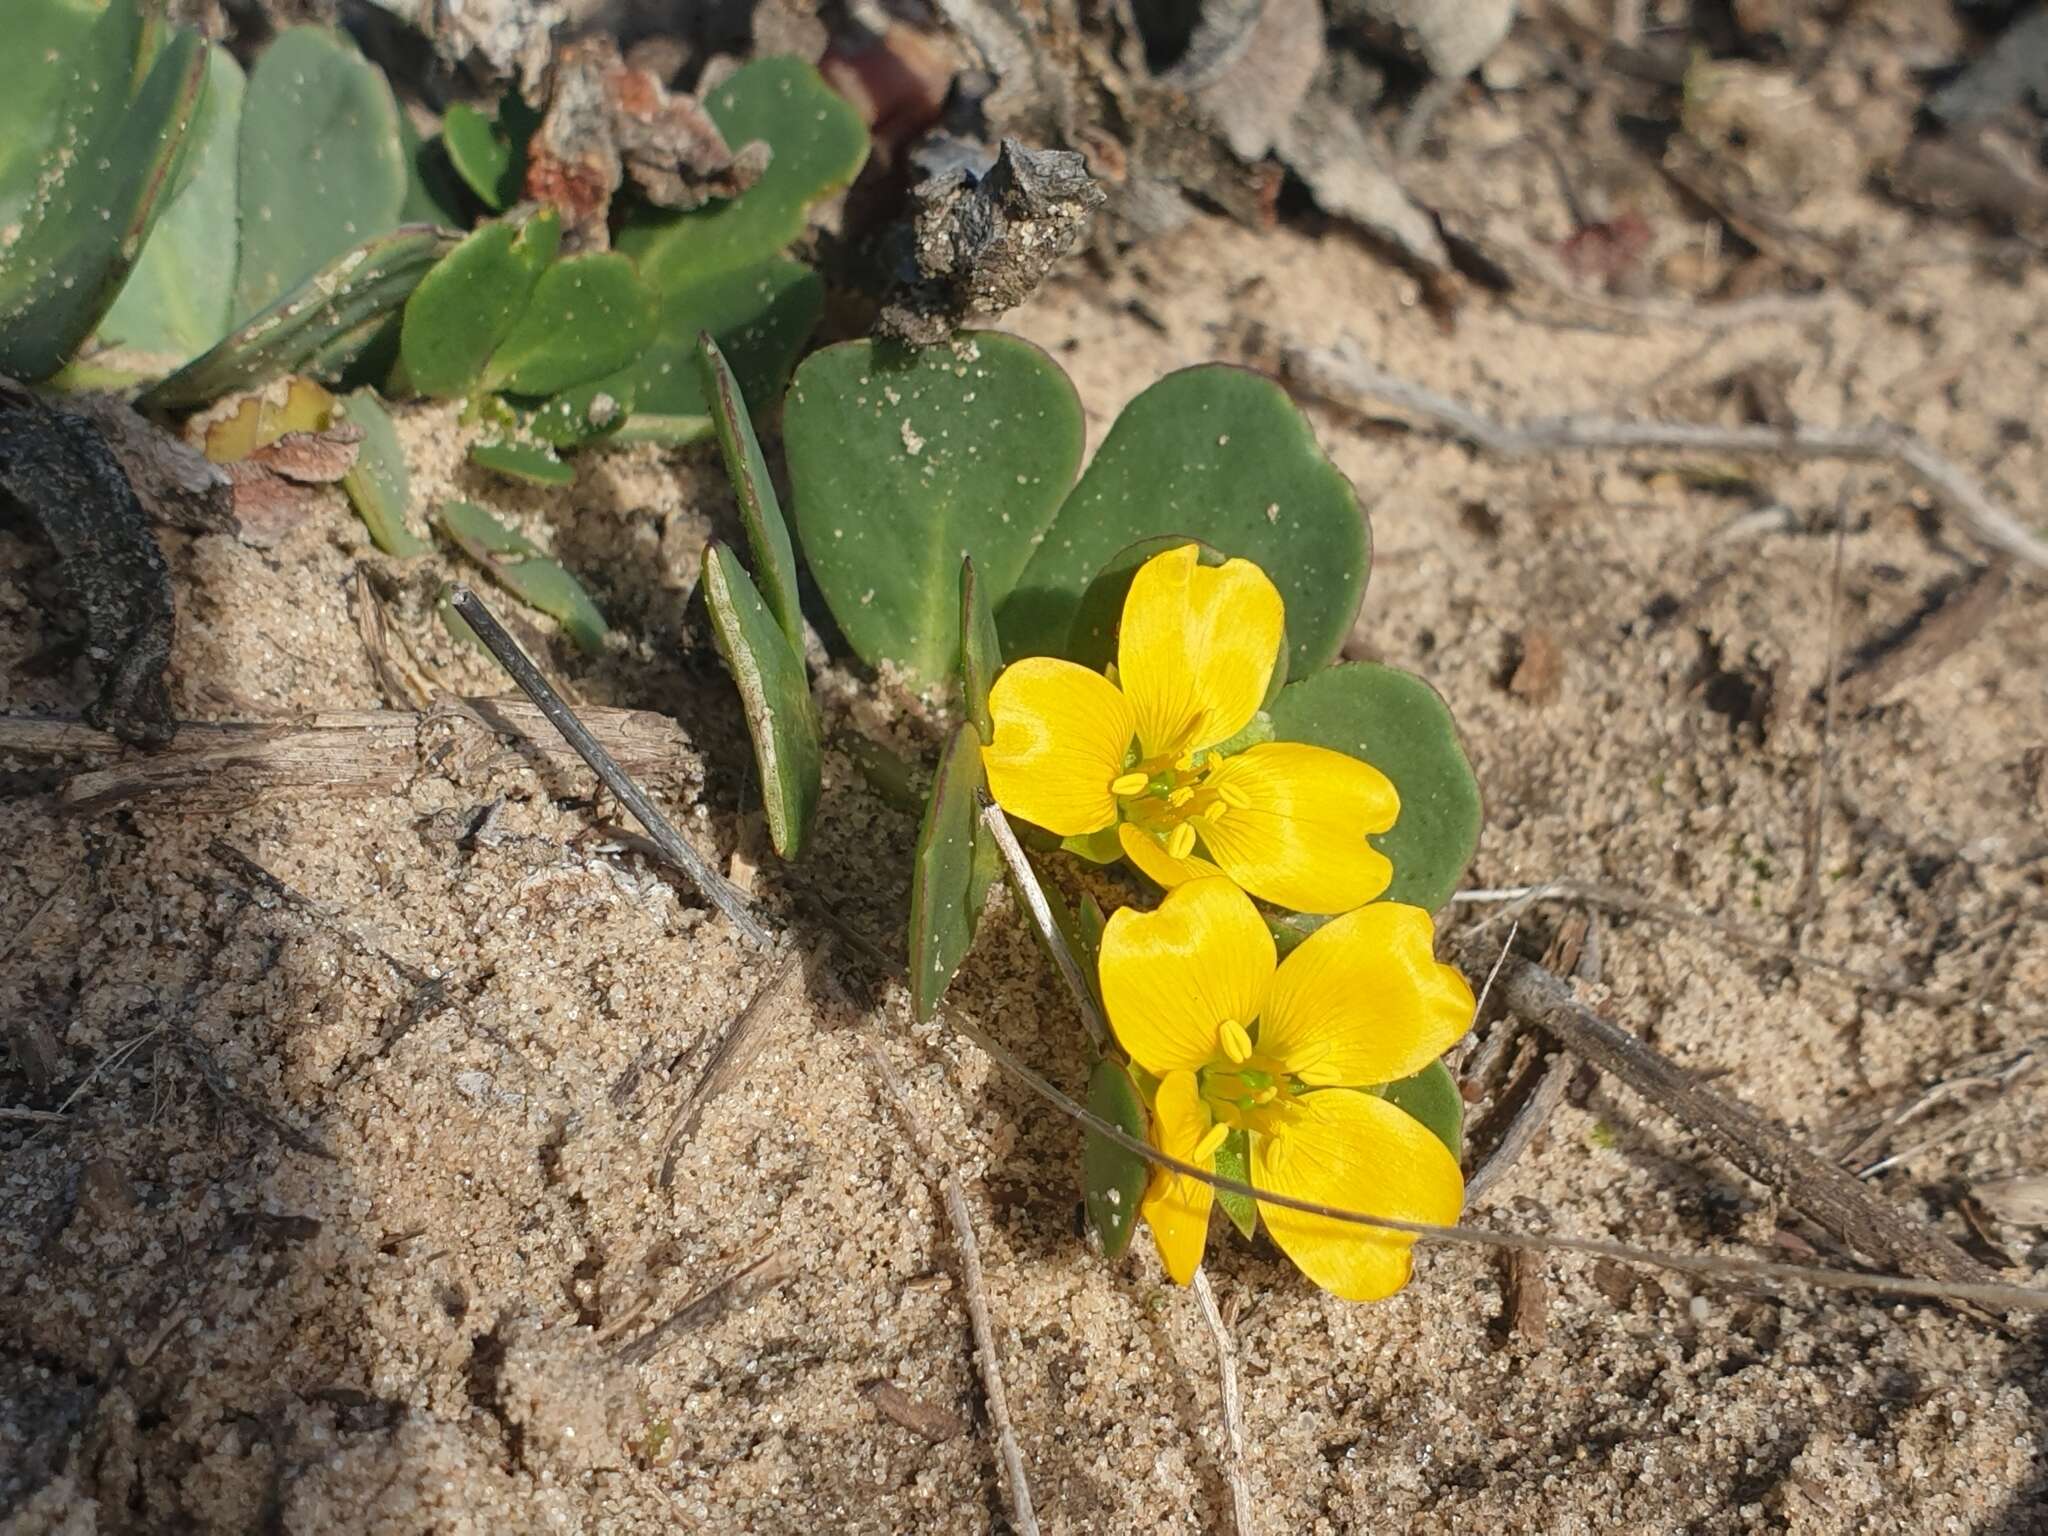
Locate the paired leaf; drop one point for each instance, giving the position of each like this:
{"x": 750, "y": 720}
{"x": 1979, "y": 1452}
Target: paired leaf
{"x": 378, "y": 483}
{"x": 1221, "y": 455}
{"x": 1112, "y": 1177}
{"x": 1398, "y": 723}
{"x": 586, "y": 317}
{"x": 519, "y": 566}
{"x": 760, "y": 316}
{"x": 318, "y": 328}
{"x": 468, "y": 304}
{"x": 177, "y": 300}
{"x": 323, "y": 166}
{"x": 776, "y": 695}
{"x": 79, "y": 223}
{"x": 818, "y": 144}
{"x": 942, "y": 912}
{"x": 760, "y": 512}
{"x": 901, "y": 463}
{"x": 1432, "y": 1097}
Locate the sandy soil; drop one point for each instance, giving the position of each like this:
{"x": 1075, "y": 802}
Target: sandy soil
{"x": 353, "y": 1211}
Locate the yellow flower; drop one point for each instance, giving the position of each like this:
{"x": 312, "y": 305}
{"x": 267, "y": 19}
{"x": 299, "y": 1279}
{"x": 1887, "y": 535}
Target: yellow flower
{"x": 1237, "y": 1043}
{"x": 1081, "y": 755}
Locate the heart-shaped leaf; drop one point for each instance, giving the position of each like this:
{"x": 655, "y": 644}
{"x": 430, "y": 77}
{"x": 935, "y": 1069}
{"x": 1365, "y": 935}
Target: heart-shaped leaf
{"x": 586, "y": 317}
{"x": 378, "y": 483}
{"x": 315, "y": 329}
{"x": 760, "y": 316}
{"x": 902, "y": 463}
{"x": 323, "y": 166}
{"x": 760, "y": 512}
{"x": 468, "y": 305}
{"x": 1112, "y": 1177}
{"x": 1219, "y": 454}
{"x": 1432, "y": 1097}
{"x": 176, "y": 302}
{"x": 1398, "y": 723}
{"x": 942, "y": 874}
{"x": 490, "y": 154}
{"x": 818, "y": 145}
{"x": 776, "y": 695}
{"x": 521, "y": 568}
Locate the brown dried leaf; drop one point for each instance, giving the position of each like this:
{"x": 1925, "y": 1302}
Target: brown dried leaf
{"x": 936, "y": 1424}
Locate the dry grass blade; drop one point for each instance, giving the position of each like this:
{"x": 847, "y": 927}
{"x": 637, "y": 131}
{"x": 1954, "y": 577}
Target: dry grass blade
{"x": 737, "y": 1046}
{"x": 1233, "y": 1408}
{"x": 976, "y": 1292}
{"x": 735, "y": 1290}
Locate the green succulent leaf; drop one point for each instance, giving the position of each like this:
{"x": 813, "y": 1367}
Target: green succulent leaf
{"x": 323, "y": 166}
{"x": 433, "y": 192}
{"x": 1220, "y": 455}
{"x": 318, "y": 328}
{"x": 583, "y": 414}
{"x": 776, "y": 695}
{"x": 760, "y": 512}
{"x": 942, "y": 874}
{"x": 523, "y": 458}
{"x": 981, "y": 656}
{"x": 1398, "y": 723}
{"x": 1234, "y": 1161}
{"x": 83, "y": 217}
{"x": 176, "y": 302}
{"x": 818, "y": 145}
{"x": 1112, "y": 1177}
{"x": 57, "y": 52}
{"x": 1432, "y": 1097}
{"x": 903, "y": 462}
{"x": 760, "y": 316}
{"x": 521, "y": 568}
{"x": 587, "y": 317}
{"x": 468, "y": 305}
{"x": 490, "y": 154}
{"x": 378, "y": 483}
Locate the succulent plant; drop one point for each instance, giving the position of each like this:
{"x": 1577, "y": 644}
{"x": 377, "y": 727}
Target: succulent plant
{"x": 525, "y": 570}
{"x": 89, "y": 147}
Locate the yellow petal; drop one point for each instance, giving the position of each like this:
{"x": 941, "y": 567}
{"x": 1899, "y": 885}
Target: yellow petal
{"x": 1364, "y": 1001}
{"x": 1171, "y": 977}
{"x": 1196, "y": 649}
{"x": 1156, "y": 864}
{"x": 1061, "y": 735}
{"x": 1359, "y": 1153}
{"x": 1298, "y": 840}
{"x": 1176, "y": 1207}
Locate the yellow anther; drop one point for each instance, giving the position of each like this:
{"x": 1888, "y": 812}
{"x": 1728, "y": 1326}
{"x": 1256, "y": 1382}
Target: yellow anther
{"x": 1214, "y": 811}
{"x": 1180, "y": 842}
{"x": 1128, "y": 784}
{"x": 1233, "y": 797}
{"x": 1205, "y": 1149}
{"x": 1236, "y": 1044}
{"x": 1267, "y": 1094}
{"x": 1185, "y": 763}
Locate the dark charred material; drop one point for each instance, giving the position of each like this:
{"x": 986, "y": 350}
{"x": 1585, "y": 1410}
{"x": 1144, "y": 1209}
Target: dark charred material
{"x": 60, "y": 470}
{"x": 981, "y": 244}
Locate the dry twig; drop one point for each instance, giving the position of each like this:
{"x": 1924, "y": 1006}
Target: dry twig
{"x": 1342, "y": 375}
{"x": 976, "y": 1291}
{"x": 1815, "y": 1185}
{"x": 701, "y": 1311}
{"x": 332, "y": 753}
{"x": 737, "y": 1046}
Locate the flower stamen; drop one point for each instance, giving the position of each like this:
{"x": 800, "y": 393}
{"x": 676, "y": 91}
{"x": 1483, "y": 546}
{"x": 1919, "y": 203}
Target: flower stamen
{"x": 1235, "y": 1042}
{"x": 1180, "y": 842}
{"x": 1126, "y": 785}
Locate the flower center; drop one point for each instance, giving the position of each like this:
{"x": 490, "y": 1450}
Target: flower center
{"x": 1247, "y": 1092}
{"x": 1171, "y": 799}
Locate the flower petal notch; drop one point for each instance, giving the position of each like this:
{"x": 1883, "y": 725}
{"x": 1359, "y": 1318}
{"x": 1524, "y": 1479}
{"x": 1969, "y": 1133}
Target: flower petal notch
{"x": 1241, "y": 1047}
